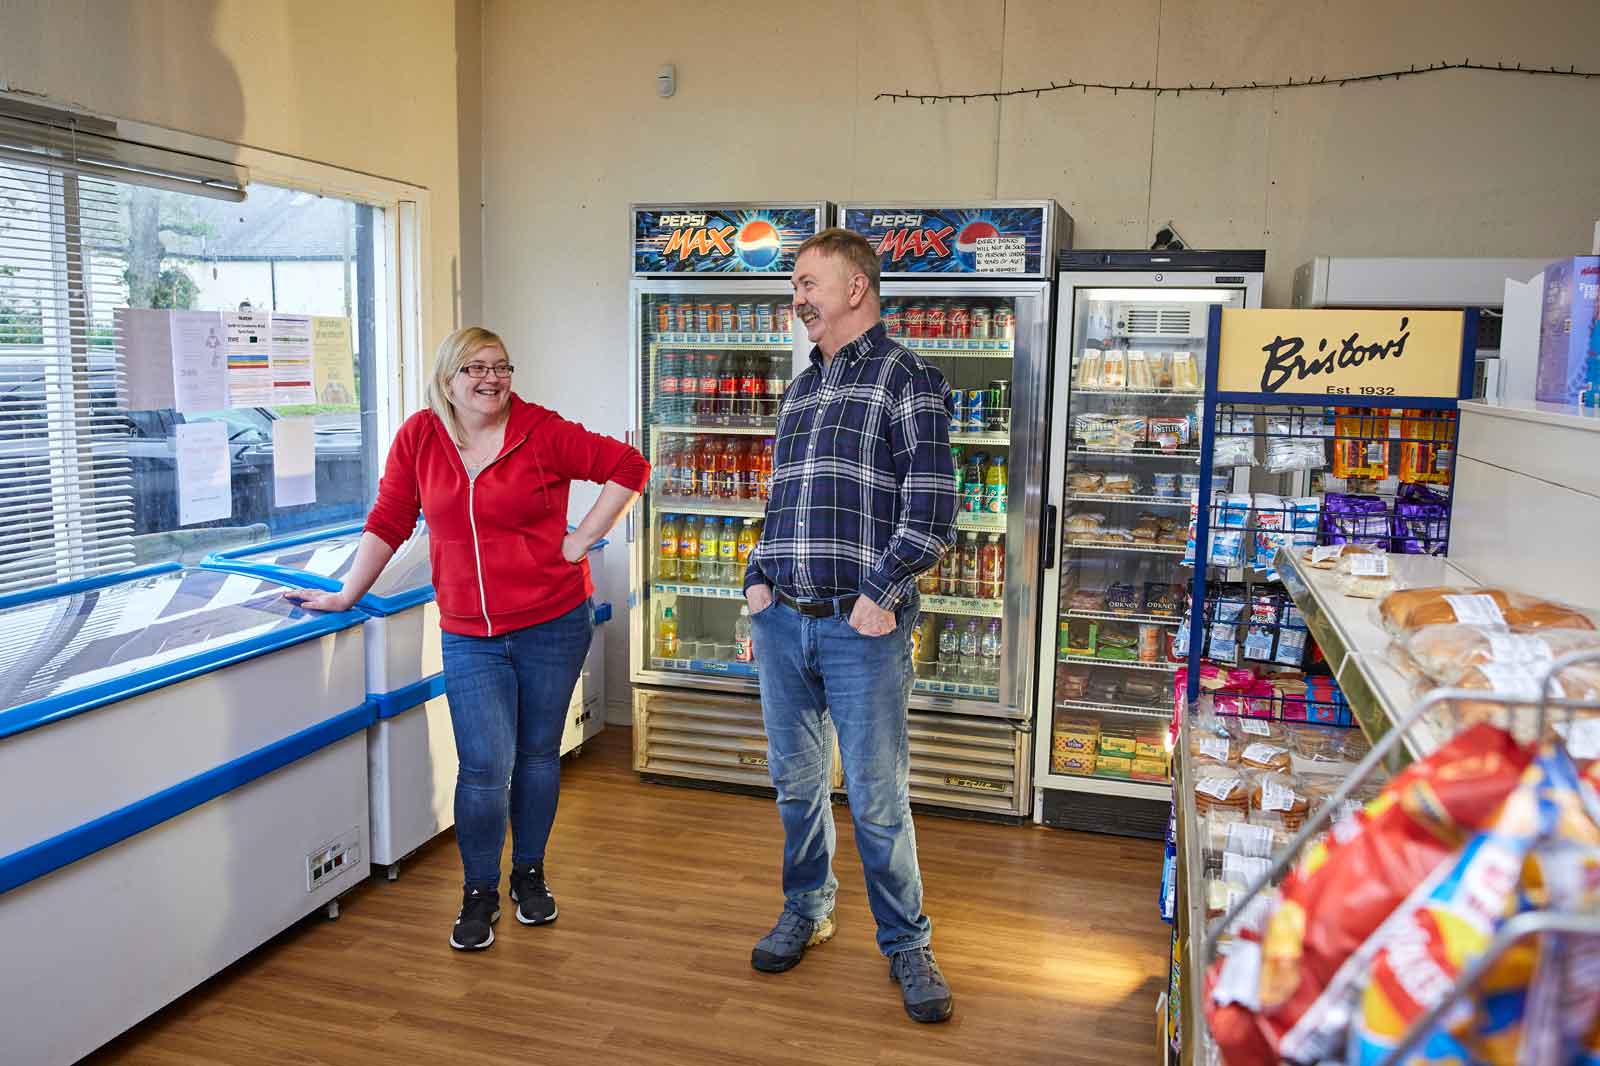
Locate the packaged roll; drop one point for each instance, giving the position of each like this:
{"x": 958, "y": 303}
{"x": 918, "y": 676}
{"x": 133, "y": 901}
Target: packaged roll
{"x": 1365, "y": 576}
{"x": 1262, "y": 755}
{"x": 1328, "y": 556}
{"x": 1221, "y": 787}
{"x": 1443, "y": 653}
{"x": 1279, "y": 799}
{"x": 1443, "y": 605}
{"x": 1085, "y": 482}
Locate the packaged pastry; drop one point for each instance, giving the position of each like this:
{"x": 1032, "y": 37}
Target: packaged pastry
{"x": 1185, "y": 377}
{"x": 1117, "y": 640}
{"x": 1220, "y": 787}
{"x": 1105, "y": 686}
{"x": 1072, "y": 682}
{"x": 1088, "y": 600}
{"x": 1141, "y": 690}
{"x": 1170, "y": 433}
{"x": 1089, "y": 369}
{"x": 1092, "y": 431}
{"x": 1442, "y": 653}
{"x": 1215, "y": 748}
{"x": 1085, "y": 482}
{"x": 1128, "y": 431}
{"x": 1081, "y": 636}
{"x": 1366, "y": 576}
{"x": 1114, "y": 369}
{"x": 1327, "y": 556}
{"x": 1160, "y": 599}
{"x": 1278, "y": 798}
{"x": 1118, "y": 484}
{"x": 1263, "y": 755}
{"x": 1147, "y": 527}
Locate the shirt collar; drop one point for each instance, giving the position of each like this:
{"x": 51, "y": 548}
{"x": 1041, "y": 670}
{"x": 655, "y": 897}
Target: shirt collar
{"x": 856, "y": 348}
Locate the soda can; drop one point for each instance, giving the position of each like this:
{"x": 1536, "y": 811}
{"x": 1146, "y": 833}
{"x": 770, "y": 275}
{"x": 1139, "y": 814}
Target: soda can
{"x": 933, "y": 323}
{"x": 999, "y": 405}
{"x": 958, "y": 323}
{"x": 747, "y": 318}
{"x": 784, "y": 317}
{"x": 683, "y": 311}
{"x": 976, "y": 422}
{"x": 979, "y": 329}
{"x": 1005, "y": 324}
{"x": 914, "y": 317}
{"x": 958, "y": 411}
{"x": 725, "y": 320}
{"x": 764, "y": 318}
{"x": 892, "y": 322}
{"x": 704, "y": 316}
{"x": 666, "y": 319}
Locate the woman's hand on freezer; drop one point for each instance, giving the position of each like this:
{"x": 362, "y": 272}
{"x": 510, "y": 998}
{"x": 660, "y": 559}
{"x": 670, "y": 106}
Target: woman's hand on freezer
{"x": 316, "y": 600}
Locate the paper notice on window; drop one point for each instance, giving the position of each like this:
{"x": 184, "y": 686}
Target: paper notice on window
{"x": 333, "y": 361}
{"x": 294, "y": 462}
{"x": 1000, "y": 255}
{"x": 291, "y": 360}
{"x": 248, "y": 345}
{"x": 145, "y": 337}
{"x": 205, "y": 490}
{"x": 199, "y": 367}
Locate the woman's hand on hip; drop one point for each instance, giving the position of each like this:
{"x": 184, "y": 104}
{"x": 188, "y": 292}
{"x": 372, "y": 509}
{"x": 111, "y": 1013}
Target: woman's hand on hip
{"x": 573, "y": 549}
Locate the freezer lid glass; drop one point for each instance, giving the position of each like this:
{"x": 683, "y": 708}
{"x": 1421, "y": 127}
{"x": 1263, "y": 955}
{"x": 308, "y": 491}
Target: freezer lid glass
{"x": 107, "y": 642}
{"x": 408, "y": 575}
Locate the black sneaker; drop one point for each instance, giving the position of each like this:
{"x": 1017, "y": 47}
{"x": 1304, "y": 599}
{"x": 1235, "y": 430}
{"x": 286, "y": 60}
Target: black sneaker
{"x": 474, "y": 928}
{"x": 922, "y": 985}
{"x": 786, "y": 944}
{"x": 535, "y": 904}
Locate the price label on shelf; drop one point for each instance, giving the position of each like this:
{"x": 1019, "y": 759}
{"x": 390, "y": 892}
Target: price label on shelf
{"x": 1369, "y": 565}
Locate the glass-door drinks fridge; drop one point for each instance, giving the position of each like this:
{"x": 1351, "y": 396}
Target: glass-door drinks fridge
{"x": 714, "y": 350}
{"x": 1125, "y": 453}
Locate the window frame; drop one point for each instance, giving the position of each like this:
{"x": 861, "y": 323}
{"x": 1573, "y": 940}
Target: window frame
{"x": 403, "y": 278}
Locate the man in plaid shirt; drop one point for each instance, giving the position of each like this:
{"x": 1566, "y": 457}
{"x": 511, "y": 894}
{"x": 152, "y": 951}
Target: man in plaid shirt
{"x": 863, "y": 500}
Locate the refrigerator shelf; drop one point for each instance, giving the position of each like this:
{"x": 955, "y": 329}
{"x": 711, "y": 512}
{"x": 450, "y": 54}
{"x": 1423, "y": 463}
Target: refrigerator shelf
{"x": 956, "y": 688}
{"x": 1193, "y": 394}
{"x": 724, "y": 341}
{"x": 1113, "y": 497}
{"x": 709, "y": 592}
{"x": 701, "y": 505}
{"x": 977, "y": 520}
{"x": 1120, "y": 664}
{"x": 964, "y": 606}
{"x": 758, "y": 429}
{"x": 960, "y": 353}
{"x": 1003, "y": 439}
{"x": 1117, "y": 546}
{"x": 1133, "y": 709}
{"x": 706, "y": 666}
{"x": 1191, "y": 454}
{"x": 1140, "y": 619}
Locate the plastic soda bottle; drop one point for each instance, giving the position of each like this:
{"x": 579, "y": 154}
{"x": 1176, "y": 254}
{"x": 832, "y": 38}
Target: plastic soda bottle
{"x": 994, "y": 487}
{"x": 748, "y": 538}
{"x": 969, "y": 651}
{"x": 689, "y": 549}
{"x": 949, "y": 651}
{"x": 728, "y": 553}
{"x": 969, "y": 565}
{"x": 667, "y": 634}
{"x": 991, "y": 569}
{"x": 709, "y": 548}
{"x": 706, "y": 469}
{"x": 667, "y": 557}
{"x": 950, "y": 572}
{"x": 972, "y": 486}
{"x": 744, "y": 647}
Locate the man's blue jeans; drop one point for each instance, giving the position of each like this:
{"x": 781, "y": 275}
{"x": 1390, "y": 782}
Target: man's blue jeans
{"x": 814, "y": 670}
{"x": 508, "y": 705}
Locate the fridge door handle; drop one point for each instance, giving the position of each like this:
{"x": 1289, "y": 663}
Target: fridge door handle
{"x": 1050, "y": 537}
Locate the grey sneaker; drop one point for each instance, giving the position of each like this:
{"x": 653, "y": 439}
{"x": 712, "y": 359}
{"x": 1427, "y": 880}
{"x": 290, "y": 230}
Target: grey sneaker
{"x": 922, "y": 985}
{"x": 783, "y": 948}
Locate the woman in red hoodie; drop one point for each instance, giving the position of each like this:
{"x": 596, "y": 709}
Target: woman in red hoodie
{"x": 491, "y": 474}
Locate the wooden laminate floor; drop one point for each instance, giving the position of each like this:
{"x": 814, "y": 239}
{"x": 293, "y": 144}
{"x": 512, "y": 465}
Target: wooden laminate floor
{"x": 1050, "y": 940}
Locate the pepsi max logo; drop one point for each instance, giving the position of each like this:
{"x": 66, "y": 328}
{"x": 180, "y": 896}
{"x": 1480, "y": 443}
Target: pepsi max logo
{"x": 896, "y": 220}
{"x": 967, "y": 241}
{"x": 758, "y": 244}
{"x": 683, "y": 220}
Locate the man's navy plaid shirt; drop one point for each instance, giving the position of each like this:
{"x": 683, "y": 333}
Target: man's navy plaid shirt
{"x": 864, "y": 486}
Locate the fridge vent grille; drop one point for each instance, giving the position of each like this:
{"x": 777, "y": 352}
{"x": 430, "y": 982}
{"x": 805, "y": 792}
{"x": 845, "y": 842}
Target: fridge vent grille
{"x": 965, "y": 763}
{"x": 1156, "y": 320}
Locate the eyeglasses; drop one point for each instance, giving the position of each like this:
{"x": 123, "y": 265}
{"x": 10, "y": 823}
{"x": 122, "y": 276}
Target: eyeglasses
{"x": 477, "y": 371}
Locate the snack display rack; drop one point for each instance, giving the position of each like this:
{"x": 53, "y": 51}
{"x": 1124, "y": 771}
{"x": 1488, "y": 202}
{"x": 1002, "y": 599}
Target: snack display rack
{"x": 1200, "y": 943}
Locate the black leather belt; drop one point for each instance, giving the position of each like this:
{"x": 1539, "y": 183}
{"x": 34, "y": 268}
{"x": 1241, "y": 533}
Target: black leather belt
{"x": 818, "y": 608}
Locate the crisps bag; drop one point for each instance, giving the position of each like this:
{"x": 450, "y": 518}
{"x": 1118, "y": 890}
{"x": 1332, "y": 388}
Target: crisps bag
{"x": 1346, "y": 886}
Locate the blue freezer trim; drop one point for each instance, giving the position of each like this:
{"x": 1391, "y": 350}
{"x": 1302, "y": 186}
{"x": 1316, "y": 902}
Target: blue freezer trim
{"x": 382, "y": 606}
{"x": 71, "y": 588}
{"x": 401, "y": 700}
{"x": 36, "y": 860}
{"x": 376, "y": 606}
{"x": 66, "y": 704}
{"x": 602, "y": 613}
{"x": 294, "y": 541}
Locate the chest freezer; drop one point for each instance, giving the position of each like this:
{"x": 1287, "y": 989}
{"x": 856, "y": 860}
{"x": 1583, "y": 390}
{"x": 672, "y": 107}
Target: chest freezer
{"x": 182, "y": 760}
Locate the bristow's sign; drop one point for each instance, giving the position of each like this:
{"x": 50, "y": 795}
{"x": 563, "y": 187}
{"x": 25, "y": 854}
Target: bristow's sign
{"x": 1341, "y": 353}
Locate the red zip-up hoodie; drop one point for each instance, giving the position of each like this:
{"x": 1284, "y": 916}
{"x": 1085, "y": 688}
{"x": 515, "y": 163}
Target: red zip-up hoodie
{"x": 495, "y": 543}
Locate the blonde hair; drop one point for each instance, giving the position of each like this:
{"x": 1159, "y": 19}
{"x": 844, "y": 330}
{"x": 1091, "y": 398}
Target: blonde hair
{"x": 454, "y": 351}
{"x": 854, "y": 250}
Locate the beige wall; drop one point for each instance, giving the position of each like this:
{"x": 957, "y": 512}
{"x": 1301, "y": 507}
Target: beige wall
{"x": 368, "y": 87}
{"x": 775, "y": 101}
